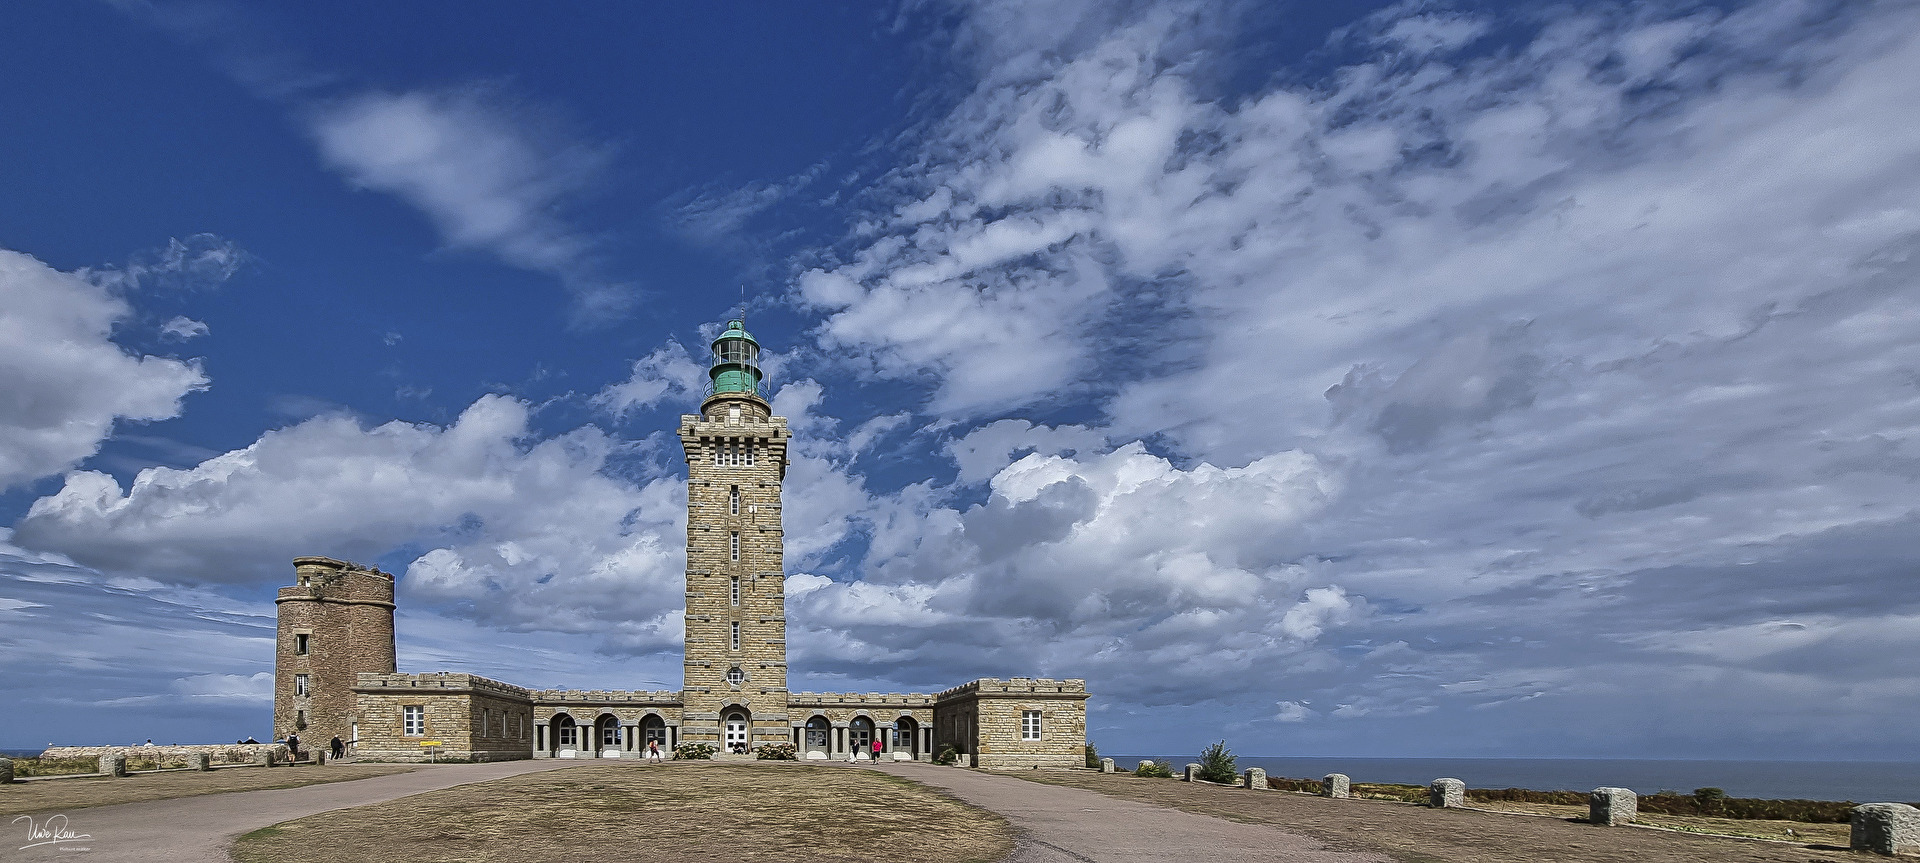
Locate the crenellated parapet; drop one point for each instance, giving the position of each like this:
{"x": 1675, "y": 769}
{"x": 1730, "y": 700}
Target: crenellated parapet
{"x": 1035, "y": 686}
{"x": 441, "y": 680}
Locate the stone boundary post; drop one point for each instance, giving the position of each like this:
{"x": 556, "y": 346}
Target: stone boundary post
{"x": 6, "y": 771}
{"x": 1106, "y": 765}
{"x": 1193, "y": 772}
{"x": 1336, "y": 785}
{"x": 1447, "y": 794}
{"x": 1256, "y": 779}
{"x": 200, "y": 761}
{"x": 113, "y": 765}
{"x": 1885, "y": 828}
{"x": 1612, "y": 807}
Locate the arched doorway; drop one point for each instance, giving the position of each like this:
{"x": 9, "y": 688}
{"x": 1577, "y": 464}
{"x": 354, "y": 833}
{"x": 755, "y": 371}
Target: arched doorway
{"x": 606, "y": 736}
{"x": 906, "y": 736}
{"x": 819, "y": 736}
{"x": 733, "y": 730}
{"x": 860, "y": 736}
{"x": 565, "y": 733}
{"x": 653, "y": 729}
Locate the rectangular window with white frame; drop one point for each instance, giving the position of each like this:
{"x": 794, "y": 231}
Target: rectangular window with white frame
{"x": 736, "y": 635}
{"x": 300, "y": 686}
{"x": 413, "y": 720}
{"x": 1030, "y": 725}
{"x": 736, "y": 590}
{"x": 735, "y": 540}
{"x": 733, "y": 500}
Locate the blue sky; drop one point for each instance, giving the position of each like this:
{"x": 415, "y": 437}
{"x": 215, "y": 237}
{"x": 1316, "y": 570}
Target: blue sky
{"x": 1411, "y": 379}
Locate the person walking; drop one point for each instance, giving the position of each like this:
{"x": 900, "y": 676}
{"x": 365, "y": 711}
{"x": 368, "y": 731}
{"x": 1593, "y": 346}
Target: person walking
{"x": 653, "y": 750}
{"x": 339, "y": 748}
{"x": 876, "y": 748}
{"x": 293, "y": 747}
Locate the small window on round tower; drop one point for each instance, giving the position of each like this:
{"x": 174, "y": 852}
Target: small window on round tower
{"x": 735, "y": 676}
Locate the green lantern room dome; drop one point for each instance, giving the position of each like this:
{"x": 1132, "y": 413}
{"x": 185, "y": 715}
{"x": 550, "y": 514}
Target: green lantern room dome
{"x": 736, "y": 363}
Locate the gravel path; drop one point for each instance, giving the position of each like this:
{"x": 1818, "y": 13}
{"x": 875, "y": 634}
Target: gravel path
{"x": 1068, "y": 825}
{"x": 199, "y": 829}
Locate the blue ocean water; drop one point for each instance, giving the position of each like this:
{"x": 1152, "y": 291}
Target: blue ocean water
{"x": 1857, "y": 781}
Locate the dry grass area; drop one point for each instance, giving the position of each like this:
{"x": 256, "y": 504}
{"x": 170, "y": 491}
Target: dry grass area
{"x": 660, "y": 812}
{"x": 1419, "y": 834}
{"x": 67, "y": 794}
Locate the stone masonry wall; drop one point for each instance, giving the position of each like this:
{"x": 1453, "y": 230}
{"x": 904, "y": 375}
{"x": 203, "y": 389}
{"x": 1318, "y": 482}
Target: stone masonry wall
{"x": 470, "y": 716}
{"x": 730, "y": 501}
{"x": 217, "y": 753}
{"x": 984, "y": 718}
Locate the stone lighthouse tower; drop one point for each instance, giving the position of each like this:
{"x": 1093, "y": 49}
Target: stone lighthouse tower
{"x": 735, "y": 692}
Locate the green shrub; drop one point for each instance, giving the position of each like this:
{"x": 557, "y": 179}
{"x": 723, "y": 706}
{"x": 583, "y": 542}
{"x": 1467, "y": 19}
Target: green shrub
{"x": 947, "y": 756}
{"x": 695, "y": 752}
{"x": 1216, "y": 764}
{"x": 777, "y": 752}
{"x": 1153, "y": 770}
{"x": 1093, "y": 756}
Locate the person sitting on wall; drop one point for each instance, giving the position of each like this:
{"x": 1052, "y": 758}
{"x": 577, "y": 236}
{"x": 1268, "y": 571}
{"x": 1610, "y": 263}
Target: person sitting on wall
{"x": 250, "y": 741}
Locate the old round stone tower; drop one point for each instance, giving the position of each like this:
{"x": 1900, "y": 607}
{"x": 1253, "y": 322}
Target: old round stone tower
{"x": 336, "y": 622}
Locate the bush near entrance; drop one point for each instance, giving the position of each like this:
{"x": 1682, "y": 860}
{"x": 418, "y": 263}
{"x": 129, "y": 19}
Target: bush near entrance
{"x": 695, "y": 751}
{"x": 777, "y": 752}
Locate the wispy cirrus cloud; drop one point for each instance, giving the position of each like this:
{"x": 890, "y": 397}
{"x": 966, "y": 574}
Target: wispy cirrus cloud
{"x": 491, "y": 175}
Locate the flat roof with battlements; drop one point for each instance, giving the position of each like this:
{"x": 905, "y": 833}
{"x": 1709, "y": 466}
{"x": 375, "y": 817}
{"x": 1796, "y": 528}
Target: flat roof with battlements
{"x": 606, "y": 696}
{"x": 1030, "y": 686}
{"x": 440, "y": 680}
{"x": 860, "y": 699}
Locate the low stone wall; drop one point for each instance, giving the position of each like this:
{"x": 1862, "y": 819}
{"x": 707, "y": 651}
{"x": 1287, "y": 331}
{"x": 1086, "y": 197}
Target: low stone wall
{"x": 176, "y": 756}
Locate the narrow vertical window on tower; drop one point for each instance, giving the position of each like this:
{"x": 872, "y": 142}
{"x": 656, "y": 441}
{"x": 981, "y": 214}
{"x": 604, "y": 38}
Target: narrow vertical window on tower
{"x": 300, "y": 644}
{"x": 736, "y": 590}
{"x": 300, "y": 685}
{"x": 733, "y": 500}
{"x": 734, "y": 538}
{"x": 736, "y": 635}
{"x": 749, "y": 454}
